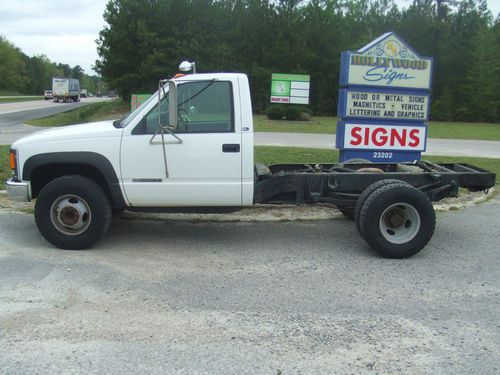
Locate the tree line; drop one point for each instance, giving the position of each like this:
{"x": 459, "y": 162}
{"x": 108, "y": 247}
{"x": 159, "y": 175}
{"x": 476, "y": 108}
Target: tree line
{"x": 144, "y": 40}
{"x": 23, "y": 74}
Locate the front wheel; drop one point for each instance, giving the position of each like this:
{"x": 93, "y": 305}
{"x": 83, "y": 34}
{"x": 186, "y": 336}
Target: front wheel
{"x": 397, "y": 220}
{"x": 72, "y": 212}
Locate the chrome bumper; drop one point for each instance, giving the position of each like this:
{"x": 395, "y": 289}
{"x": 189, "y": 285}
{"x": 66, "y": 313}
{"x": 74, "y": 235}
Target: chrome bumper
{"x": 17, "y": 191}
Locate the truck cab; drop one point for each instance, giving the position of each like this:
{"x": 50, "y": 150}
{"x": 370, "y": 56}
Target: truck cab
{"x": 206, "y": 160}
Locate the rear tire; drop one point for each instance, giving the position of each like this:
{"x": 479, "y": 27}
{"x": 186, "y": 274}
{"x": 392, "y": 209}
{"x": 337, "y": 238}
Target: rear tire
{"x": 72, "y": 212}
{"x": 397, "y": 220}
{"x": 367, "y": 192}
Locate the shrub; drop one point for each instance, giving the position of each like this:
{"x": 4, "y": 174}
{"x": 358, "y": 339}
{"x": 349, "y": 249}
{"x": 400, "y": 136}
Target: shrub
{"x": 289, "y": 112}
{"x": 293, "y": 113}
{"x": 276, "y": 112}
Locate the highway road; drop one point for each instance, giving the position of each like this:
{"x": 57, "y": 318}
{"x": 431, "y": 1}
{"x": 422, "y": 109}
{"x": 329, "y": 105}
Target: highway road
{"x": 13, "y": 115}
{"x": 178, "y": 297}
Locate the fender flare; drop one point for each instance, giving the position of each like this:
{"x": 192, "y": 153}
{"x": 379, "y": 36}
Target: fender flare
{"x": 98, "y": 161}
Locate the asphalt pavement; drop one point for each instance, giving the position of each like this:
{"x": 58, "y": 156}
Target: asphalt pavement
{"x": 177, "y": 297}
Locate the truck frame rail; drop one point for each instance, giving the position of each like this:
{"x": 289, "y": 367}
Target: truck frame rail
{"x": 342, "y": 184}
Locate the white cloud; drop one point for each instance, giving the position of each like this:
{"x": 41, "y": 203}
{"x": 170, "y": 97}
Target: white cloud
{"x": 64, "y": 31}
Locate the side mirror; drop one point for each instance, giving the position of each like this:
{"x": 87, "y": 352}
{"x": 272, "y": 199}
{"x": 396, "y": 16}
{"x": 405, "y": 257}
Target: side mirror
{"x": 172, "y": 104}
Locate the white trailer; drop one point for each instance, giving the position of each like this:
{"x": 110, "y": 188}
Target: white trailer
{"x": 65, "y": 89}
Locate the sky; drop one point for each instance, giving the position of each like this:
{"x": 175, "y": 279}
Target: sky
{"x": 65, "y": 30}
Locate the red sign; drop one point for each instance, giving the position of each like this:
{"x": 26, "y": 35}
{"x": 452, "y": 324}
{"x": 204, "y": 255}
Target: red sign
{"x": 384, "y": 137}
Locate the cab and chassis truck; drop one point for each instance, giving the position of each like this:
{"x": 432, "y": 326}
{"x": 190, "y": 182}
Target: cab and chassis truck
{"x": 190, "y": 148}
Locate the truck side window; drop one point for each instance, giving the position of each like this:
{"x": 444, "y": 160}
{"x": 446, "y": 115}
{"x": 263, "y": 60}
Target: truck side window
{"x": 205, "y": 107}
{"x": 149, "y": 123}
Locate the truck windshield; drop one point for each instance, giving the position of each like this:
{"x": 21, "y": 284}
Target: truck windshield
{"x": 127, "y": 120}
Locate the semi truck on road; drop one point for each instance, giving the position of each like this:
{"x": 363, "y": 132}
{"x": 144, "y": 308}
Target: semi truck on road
{"x": 190, "y": 148}
{"x": 65, "y": 89}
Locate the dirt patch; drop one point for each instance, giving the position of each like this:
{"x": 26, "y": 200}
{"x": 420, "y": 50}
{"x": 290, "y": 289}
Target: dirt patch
{"x": 265, "y": 212}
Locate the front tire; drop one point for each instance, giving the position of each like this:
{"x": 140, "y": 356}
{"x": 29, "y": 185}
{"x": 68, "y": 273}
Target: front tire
{"x": 72, "y": 212}
{"x": 397, "y": 220}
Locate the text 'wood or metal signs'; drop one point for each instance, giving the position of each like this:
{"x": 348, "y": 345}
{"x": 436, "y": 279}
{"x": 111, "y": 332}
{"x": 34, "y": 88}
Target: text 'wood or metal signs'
{"x": 384, "y": 101}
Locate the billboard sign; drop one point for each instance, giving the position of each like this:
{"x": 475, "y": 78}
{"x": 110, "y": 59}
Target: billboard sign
{"x": 386, "y": 62}
{"x": 290, "y": 88}
{"x": 383, "y": 101}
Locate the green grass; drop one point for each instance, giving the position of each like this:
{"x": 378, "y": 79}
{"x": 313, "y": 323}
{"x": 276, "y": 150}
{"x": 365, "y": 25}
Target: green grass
{"x": 4, "y": 92}
{"x": 327, "y": 125}
{"x": 15, "y": 100}
{"x": 92, "y": 112}
{"x": 282, "y": 155}
{"x": 318, "y": 124}
{"x": 4, "y": 165}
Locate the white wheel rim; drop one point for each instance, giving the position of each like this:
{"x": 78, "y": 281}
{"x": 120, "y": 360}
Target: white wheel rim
{"x": 70, "y": 215}
{"x": 399, "y": 223}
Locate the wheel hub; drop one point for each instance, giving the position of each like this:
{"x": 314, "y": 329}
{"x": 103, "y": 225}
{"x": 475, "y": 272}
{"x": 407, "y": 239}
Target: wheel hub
{"x": 394, "y": 218}
{"x": 70, "y": 215}
{"x": 400, "y": 223}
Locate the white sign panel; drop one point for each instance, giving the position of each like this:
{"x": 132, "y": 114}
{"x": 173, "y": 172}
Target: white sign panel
{"x": 385, "y": 137}
{"x": 379, "y": 105}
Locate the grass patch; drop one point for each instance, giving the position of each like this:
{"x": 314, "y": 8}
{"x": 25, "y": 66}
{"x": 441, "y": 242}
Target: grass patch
{"x": 101, "y": 111}
{"x": 4, "y": 165}
{"x": 318, "y": 124}
{"x": 328, "y": 125}
{"x": 14, "y": 100}
{"x": 283, "y": 155}
{"x": 5, "y": 92}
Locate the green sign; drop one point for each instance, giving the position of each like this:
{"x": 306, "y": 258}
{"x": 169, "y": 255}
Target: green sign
{"x": 137, "y": 100}
{"x": 290, "y": 88}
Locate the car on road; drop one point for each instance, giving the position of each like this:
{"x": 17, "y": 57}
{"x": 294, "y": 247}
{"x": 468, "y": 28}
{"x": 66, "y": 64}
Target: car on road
{"x": 47, "y": 95}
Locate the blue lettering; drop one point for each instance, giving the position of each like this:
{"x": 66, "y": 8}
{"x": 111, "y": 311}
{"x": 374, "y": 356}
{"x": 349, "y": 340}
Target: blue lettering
{"x": 380, "y": 73}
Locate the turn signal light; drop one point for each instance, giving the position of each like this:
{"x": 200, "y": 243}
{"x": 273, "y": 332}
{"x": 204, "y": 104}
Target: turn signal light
{"x": 12, "y": 160}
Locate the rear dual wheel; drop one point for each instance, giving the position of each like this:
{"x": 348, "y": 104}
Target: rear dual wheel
{"x": 396, "y": 219}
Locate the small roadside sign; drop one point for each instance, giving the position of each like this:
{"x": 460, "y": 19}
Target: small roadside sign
{"x": 290, "y": 88}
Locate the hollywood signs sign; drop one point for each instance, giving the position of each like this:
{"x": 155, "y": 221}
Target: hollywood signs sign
{"x": 384, "y": 101}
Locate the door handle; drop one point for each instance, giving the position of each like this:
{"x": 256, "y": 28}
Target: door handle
{"x": 231, "y": 147}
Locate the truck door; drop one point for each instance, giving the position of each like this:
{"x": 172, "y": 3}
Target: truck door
{"x": 203, "y": 164}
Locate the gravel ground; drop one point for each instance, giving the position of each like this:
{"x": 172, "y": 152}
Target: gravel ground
{"x": 179, "y": 297}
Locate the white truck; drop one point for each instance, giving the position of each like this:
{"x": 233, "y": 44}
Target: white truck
{"x": 65, "y": 89}
{"x": 190, "y": 147}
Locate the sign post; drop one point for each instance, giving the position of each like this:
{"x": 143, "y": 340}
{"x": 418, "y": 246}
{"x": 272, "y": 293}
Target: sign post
{"x": 384, "y": 101}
